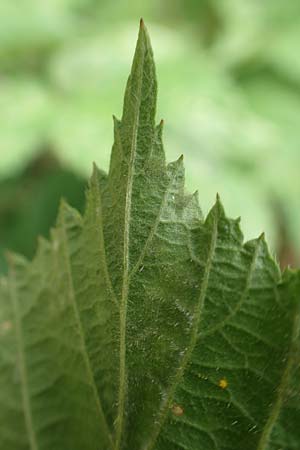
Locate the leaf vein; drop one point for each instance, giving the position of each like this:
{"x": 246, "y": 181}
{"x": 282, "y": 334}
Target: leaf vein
{"x": 276, "y": 407}
{"x": 85, "y": 355}
{"x": 194, "y": 336}
{"x": 22, "y": 367}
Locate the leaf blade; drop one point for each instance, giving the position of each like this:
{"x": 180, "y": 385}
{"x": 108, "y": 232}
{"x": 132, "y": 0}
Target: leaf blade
{"x": 142, "y": 326}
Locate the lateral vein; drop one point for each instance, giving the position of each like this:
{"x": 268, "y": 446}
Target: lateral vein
{"x": 22, "y": 366}
{"x": 275, "y": 410}
{"x": 102, "y": 246}
{"x": 153, "y": 228}
{"x": 242, "y": 298}
{"x": 194, "y": 337}
{"x": 82, "y": 335}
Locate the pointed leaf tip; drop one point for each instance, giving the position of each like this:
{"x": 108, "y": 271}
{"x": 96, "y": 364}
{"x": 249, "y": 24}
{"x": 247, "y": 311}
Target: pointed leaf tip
{"x": 63, "y": 203}
{"x": 15, "y": 259}
{"x": 95, "y": 172}
{"x": 143, "y": 33}
{"x": 217, "y": 210}
{"x": 218, "y": 205}
{"x": 65, "y": 211}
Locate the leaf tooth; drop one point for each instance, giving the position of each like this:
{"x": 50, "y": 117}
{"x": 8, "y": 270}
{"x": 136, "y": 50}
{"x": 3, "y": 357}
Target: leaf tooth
{"x": 159, "y": 130}
{"x": 227, "y": 227}
{"x": 43, "y": 245}
{"x": 217, "y": 211}
{"x": 96, "y": 173}
{"x": 93, "y": 179}
{"x": 15, "y": 259}
{"x": 96, "y": 183}
{"x": 193, "y": 199}
{"x": 157, "y": 159}
{"x": 269, "y": 257}
{"x": 68, "y": 214}
{"x": 176, "y": 171}
{"x": 116, "y": 121}
{"x": 177, "y": 165}
{"x": 192, "y": 211}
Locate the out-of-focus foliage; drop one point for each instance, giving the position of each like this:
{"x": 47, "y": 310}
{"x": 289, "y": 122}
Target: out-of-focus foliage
{"x": 29, "y": 202}
{"x": 229, "y": 88}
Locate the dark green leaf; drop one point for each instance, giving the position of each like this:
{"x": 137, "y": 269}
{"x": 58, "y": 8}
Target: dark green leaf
{"x": 142, "y": 326}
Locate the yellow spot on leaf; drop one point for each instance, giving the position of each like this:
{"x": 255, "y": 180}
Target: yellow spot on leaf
{"x": 5, "y": 327}
{"x": 177, "y": 410}
{"x": 223, "y": 383}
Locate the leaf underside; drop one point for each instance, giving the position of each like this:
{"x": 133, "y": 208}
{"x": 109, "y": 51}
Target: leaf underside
{"x": 143, "y": 326}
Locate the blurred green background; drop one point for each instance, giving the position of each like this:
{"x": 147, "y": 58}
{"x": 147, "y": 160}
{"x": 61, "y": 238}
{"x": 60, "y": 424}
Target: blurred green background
{"x": 229, "y": 91}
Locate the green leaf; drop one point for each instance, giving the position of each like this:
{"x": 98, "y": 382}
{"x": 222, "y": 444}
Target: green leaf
{"x": 286, "y": 433}
{"x": 142, "y": 326}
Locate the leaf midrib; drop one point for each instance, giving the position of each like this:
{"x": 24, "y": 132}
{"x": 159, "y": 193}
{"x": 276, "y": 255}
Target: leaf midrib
{"x": 125, "y": 285}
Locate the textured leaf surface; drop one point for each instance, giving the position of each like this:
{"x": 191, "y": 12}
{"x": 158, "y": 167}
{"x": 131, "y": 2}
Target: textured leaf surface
{"x": 142, "y": 326}
{"x": 286, "y": 433}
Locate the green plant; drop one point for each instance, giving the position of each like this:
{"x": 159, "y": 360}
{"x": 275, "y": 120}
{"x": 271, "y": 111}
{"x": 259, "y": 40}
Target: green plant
{"x": 142, "y": 326}
{"x": 227, "y": 65}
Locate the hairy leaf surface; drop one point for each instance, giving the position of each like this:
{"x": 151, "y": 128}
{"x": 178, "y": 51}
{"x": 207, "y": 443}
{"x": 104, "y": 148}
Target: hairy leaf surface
{"x": 143, "y": 326}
